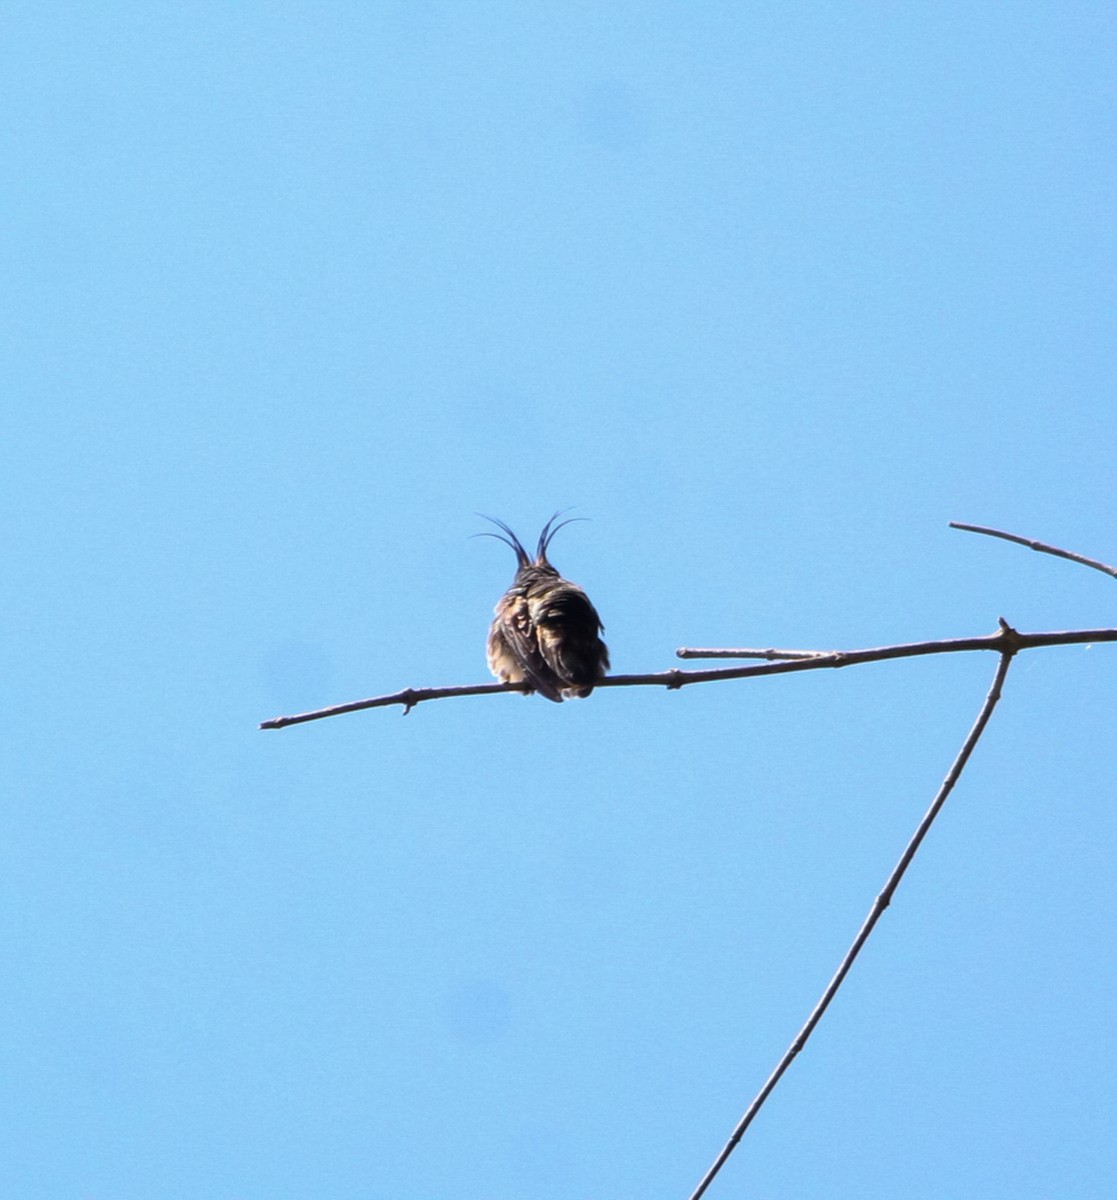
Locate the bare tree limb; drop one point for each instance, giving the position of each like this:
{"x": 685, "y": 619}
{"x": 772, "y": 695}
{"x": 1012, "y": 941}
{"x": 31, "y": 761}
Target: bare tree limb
{"x": 879, "y": 905}
{"x": 1042, "y": 547}
{"x": 1005, "y": 640}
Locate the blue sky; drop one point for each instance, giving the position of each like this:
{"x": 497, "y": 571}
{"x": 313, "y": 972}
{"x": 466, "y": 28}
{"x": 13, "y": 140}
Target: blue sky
{"x": 769, "y": 291}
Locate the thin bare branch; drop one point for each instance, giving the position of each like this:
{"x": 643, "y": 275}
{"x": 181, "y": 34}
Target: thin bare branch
{"x": 879, "y": 905}
{"x": 1042, "y": 547}
{"x": 409, "y": 697}
{"x": 770, "y": 655}
{"x": 1004, "y": 640}
{"x": 809, "y": 660}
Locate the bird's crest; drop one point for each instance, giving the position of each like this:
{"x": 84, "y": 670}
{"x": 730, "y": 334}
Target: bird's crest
{"x": 546, "y": 535}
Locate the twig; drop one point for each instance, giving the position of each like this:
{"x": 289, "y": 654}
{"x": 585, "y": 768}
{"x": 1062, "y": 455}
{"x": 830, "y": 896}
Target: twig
{"x": 409, "y": 697}
{"x": 879, "y": 905}
{"x": 1003, "y": 640}
{"x": 810, "y": 660}
{"x": 1042, "y": 547}
{"x": 771, "y": 655}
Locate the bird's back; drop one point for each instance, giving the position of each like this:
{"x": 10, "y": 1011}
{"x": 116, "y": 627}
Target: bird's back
{"x": 546, "y": 634}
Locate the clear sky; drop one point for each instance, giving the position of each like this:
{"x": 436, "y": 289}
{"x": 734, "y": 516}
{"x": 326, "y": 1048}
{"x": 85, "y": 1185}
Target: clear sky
{"x": 771, "y": 292}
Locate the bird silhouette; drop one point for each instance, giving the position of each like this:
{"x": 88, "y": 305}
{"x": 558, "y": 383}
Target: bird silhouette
{"x": 546, "y": 632}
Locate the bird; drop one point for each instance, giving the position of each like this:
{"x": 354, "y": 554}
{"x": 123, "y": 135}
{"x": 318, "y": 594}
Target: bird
{"x": 545, "y": 633}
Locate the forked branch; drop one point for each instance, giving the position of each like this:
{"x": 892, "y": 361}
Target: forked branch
{"x": 1012, "y": 642}
{"x": 879, "y": 905}
{"x": 1004, "y": 640}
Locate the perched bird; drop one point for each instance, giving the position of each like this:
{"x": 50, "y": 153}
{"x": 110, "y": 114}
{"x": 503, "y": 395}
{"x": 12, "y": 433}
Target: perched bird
{"x": 545, "y": 633}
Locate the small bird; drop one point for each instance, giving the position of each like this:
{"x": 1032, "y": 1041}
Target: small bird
{"x": 545, "y": 633}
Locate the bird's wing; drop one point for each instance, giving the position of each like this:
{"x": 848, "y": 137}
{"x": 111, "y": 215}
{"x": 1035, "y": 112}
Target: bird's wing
{"x": 567, "y": 627}
{"x": 514, "y": 625}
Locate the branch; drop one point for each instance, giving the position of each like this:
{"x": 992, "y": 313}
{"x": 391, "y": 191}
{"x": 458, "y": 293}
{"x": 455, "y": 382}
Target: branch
{"x": 409, "y": 697}
{"x": 1005, "y": 640}
{"x": 809, "y": 660}
{"x": 1042, "y": 547}
{"x": 879, "y": 905}
{"x": 771, "y": 655}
